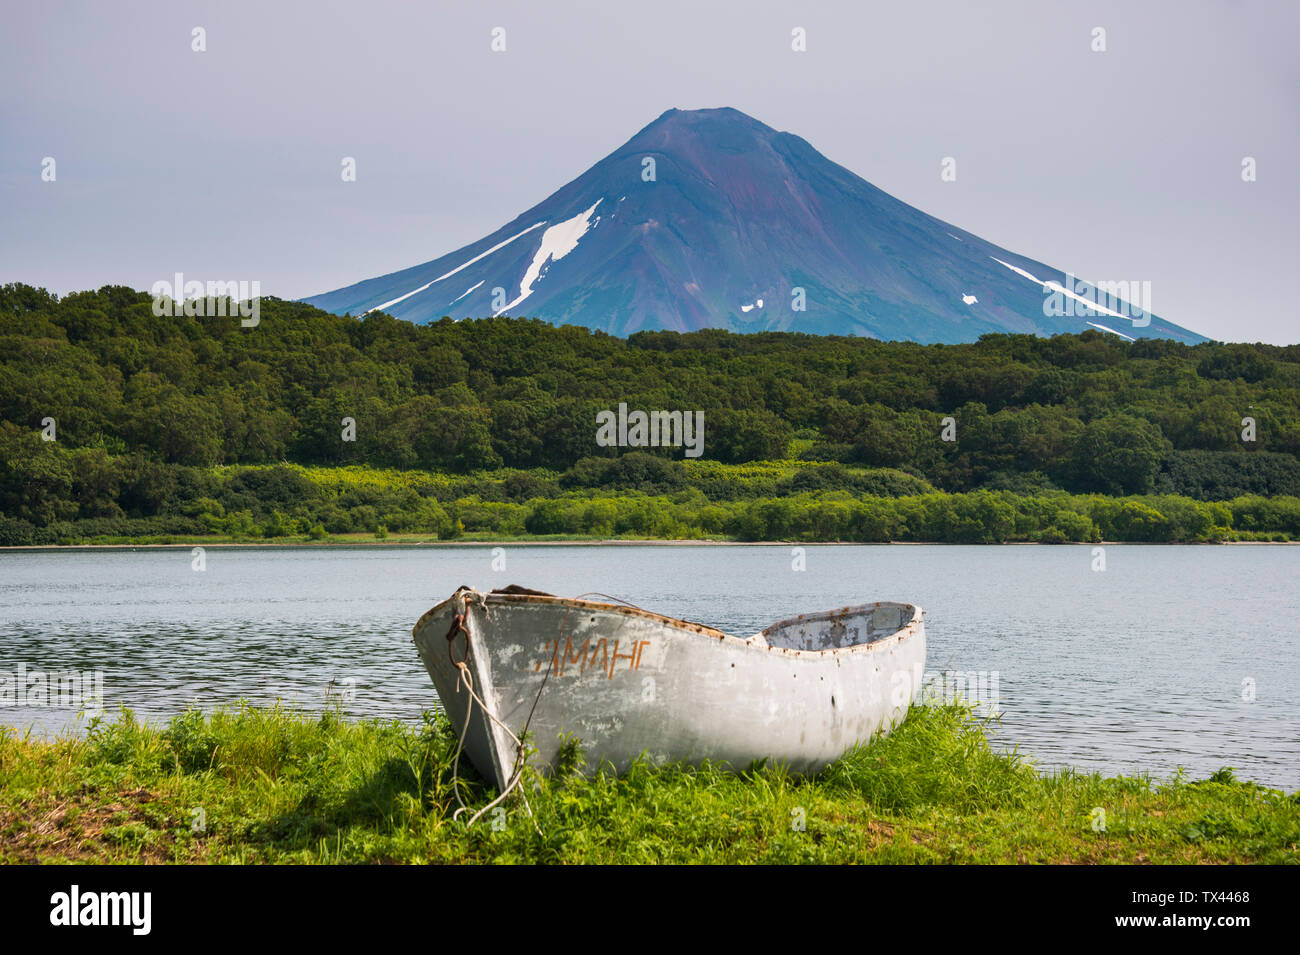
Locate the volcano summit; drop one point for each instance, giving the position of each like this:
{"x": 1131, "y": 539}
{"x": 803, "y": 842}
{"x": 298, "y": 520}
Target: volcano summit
{"x": 710, "y": 219}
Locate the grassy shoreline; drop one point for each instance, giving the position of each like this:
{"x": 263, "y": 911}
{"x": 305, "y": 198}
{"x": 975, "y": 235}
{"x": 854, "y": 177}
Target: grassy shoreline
{"x": 271, "y": 785}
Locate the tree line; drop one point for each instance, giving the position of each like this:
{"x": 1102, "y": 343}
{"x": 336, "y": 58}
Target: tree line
{"x": 142, "y": 408}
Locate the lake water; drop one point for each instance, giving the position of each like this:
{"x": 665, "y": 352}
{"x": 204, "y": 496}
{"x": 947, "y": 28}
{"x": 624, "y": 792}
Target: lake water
{"x": 1171, "y": 656}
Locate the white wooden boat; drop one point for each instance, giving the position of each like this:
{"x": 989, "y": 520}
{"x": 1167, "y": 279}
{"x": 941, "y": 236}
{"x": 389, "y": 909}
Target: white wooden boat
{"x": 627, "y": 682}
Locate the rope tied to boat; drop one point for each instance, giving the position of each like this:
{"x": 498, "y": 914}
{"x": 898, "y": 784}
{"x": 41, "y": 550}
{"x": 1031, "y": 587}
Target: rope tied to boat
{"x": 457, "y": 627}
{"x": 465, "y": 678}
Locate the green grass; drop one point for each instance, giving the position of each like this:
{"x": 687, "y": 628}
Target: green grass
{"x": 271, "y": 785}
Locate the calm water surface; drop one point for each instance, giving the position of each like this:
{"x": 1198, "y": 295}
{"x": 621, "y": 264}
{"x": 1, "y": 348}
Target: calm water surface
{"x": 1147, "y": 666}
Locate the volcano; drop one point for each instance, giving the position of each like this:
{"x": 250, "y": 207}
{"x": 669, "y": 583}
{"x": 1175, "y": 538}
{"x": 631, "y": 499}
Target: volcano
{"x": 710, "y": 219}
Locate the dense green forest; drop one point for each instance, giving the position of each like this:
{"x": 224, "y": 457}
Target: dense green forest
{"x": 192, "y": 425}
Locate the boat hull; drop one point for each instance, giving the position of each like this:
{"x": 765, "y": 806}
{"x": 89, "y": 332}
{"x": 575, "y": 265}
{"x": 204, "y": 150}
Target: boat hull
{"x": 629, "y": 683}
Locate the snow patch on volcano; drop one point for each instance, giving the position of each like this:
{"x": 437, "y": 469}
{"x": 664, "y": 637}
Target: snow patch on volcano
{"x": 557, "y": 242}
{"x": 447, "y": 275}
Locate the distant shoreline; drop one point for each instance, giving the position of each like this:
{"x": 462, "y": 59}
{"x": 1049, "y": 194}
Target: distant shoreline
{"x": 602, "y": 542}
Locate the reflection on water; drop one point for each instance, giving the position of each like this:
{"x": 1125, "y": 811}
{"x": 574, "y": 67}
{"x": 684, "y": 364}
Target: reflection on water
{"x": 1146, "y": 666}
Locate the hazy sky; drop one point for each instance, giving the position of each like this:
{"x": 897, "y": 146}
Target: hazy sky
{"x": 225, "y": 164}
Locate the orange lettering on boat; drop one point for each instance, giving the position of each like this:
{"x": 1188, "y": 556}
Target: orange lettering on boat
{"x": 597, "y": 656}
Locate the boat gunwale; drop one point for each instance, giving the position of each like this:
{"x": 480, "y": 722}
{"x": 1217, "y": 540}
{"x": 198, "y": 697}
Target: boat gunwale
{"x": 906, "y": 630}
